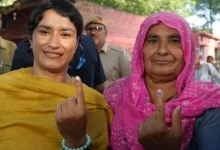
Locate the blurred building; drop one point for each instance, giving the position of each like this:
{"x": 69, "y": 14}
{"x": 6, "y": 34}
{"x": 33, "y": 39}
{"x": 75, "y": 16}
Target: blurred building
{"x": 208, "y": 44}
{"x": 15, "y": 18}
{"x": 122, "y": 26}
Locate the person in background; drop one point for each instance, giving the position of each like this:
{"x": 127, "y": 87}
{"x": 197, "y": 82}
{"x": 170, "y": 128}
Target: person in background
{"x": 86, "y": 62}
{"x": 206, "y": 72}
{"x": 7, "y": 49}
{"x": 115, "y": 61}
{"x": 210, "y": 59}
{"x": 37, "y": 103}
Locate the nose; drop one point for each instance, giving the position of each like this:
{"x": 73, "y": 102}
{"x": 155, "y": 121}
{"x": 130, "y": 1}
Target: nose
{"x": 163, "y": 48}
{"x": 54, "y": 41}
{"x": 93, "y": 31}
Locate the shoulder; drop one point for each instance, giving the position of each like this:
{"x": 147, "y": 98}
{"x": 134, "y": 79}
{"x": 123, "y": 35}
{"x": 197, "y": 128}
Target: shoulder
{"x": 206, "y": 131}
{"x": 209, "y": 116}
{"x": 15, "y": 74}
{"x": 9, "y": 43}
{"x": 114, "y": 92}
{"x": 116, "y": 49}
{"x": 208, "y": 65}
{"x": 87, "y": 42}
{"x": 120, "y": 53}
{"x": 206, "y": 127}
{"x": 205, "y": 68}
{"x": 211, "y": 66}
{"x": 24, "y": 43}
{"x": 115, "y": 88}
{"x": 24, "y": 46}
{"x": 13, "y": 45}
{"x": 85, "y": 38}
{"x": 89, "y": 48}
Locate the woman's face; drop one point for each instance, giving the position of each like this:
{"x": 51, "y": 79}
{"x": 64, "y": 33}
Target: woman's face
{"x": 54, "y": 42}
{"x": 163, "y": 54}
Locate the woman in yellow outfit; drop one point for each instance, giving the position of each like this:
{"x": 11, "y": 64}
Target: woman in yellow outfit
{"x": 38, "y": 103}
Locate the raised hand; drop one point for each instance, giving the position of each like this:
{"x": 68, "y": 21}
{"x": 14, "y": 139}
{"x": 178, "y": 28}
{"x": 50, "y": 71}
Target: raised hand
{"x": 71, "y": 118}
{"x": 154, "y": 134}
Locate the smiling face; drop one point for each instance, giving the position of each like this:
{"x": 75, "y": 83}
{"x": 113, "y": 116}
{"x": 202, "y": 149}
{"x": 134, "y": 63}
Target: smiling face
{"x": 163, "y": 54}
{"x": 54, "y": 42}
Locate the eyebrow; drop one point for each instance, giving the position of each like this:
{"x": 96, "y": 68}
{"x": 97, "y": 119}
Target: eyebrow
{"x": 44, "y": 26}
{"x": 49, "y": 28}
{"x": 170, "y": 36}
{"x": 175, "y": 36}
{"x": 152, "y": 36}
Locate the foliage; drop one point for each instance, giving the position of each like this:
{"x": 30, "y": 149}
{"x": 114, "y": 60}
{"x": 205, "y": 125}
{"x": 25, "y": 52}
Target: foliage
{"x": 4, "y": 3}
{"x": 208, "y": 10}
{"x": 146, "y": 7}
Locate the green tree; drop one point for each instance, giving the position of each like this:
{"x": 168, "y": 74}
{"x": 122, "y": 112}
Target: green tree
{"x": 209, "y": 10}
{"x": 4, "y": 3}
{"x": 146, "y": 7}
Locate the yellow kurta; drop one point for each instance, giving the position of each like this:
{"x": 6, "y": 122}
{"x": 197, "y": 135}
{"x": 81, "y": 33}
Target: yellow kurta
{"x": 27, "y": 112}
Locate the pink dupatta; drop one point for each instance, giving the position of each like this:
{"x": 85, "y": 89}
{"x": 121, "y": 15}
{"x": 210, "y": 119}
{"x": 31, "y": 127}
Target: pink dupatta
{"x": 130, "y": 99}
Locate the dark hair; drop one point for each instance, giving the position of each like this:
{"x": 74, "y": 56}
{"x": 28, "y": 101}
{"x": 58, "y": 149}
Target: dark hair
{"x": 62, "y": 7}
{"x": 208, "y": 57}
{"x": 72, "y": 1}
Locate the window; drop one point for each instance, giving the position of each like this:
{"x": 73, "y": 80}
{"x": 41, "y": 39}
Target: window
{"x": 217, "y": 55}
{"x": 201, "y": 38}
{"x": 202, "y": 52}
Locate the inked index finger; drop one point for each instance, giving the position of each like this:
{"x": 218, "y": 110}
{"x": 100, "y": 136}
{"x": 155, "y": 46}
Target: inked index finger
{"x": 80, "y": 93}
{"x": 160, "y": 106}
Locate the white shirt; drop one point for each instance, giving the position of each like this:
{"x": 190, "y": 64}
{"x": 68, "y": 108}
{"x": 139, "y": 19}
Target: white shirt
{"x": 207, "y": 73}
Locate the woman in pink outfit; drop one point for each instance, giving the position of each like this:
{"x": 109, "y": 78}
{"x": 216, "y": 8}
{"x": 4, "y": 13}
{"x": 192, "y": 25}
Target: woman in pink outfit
{"x": 161, "y": 106}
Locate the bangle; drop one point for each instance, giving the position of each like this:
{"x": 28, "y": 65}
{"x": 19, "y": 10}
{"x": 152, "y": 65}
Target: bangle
{"x": 87, "y": 145}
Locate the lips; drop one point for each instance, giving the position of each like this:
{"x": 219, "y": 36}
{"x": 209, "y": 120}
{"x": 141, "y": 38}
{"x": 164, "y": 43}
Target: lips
{"x": 53, "y": 55}
{"x": 93, "y": 38}
{"x": 161, "y": 61}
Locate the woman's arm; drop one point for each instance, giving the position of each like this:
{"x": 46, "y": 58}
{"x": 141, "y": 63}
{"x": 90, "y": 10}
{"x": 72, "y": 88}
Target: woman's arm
{"x": 206, "y": 134}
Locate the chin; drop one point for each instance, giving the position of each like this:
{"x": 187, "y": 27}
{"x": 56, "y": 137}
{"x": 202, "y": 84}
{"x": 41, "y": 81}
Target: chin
{"x": 96, "y": 42}
{"x": 162, "y": 72}
{"x": 54, "y": 68}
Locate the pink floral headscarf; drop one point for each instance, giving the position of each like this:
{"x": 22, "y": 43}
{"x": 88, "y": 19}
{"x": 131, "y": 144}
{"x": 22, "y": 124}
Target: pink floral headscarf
{"x": 130, "y": 100}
